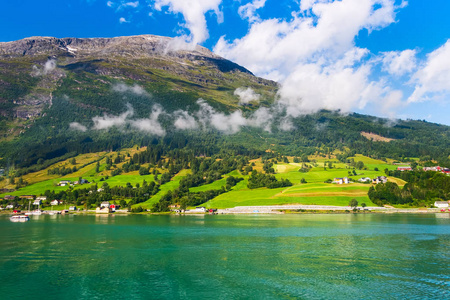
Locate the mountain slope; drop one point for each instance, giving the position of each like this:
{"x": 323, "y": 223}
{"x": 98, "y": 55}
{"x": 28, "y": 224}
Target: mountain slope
{"x": 36, "y": 70}
{"x": 54, "y": 94}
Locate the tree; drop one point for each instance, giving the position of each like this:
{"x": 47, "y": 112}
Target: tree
{"x": 353, "y": 203}
{"x": 73, "y": 161}
{"x": 303, "y": 180}
{"x": 359, "y": 165}
{"x": 363, "y": 204}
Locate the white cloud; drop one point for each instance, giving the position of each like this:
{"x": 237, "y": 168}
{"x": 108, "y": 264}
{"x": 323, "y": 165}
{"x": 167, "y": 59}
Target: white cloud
{"x": 248, "y": 11}
{"x": 208, "y": 117}
{"x": 433, "y": 78}
{"x": 123, "y": 20}
{"x": 110, "y": 4}
{"x": 314, "y": 56}
{"x": 399, "y": 63}
{"x": 49, "y": 66}
{"x": 151, "y": 124}
{"x": 106, "y": 122}
{"x": 246, "y": 95}
{"x": 134, "y": 89}
{"x": 77, "y": 126}
{"x": 194, "y": 15}
{"x": 183, "y": 120}
{"x": 130, "y": 4}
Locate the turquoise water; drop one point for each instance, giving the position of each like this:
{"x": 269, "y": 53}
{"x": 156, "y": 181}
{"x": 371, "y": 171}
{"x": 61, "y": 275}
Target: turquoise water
{"x": 226, "y": 257}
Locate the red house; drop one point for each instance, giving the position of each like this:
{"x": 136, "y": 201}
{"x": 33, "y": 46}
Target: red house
{"x": 404, "y": 168}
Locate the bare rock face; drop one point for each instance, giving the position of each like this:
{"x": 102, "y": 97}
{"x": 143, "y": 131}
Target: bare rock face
{"x": 141, "y": 46}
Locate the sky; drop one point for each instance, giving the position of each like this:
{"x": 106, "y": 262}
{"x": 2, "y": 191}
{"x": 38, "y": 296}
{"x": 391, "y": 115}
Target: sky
{"x": 388, "y": 58}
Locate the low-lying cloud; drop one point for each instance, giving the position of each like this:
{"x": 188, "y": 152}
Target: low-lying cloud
{"x": 107, "y": 121}
{"x": 204, "y": 118}
{"x": 48, "y": 67}
{"x": 77, "y": 126}
{"x": 133, "y": 89}
{"x": 246, "y": 95}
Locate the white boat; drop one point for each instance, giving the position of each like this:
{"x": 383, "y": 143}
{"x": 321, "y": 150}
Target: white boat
{"x": 19, "y": 218}
{"x": 36, "y": 213}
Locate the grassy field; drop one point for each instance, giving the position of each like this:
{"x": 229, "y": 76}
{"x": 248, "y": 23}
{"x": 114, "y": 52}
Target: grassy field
{"x": 315, "y": 191}
{"x": 169, "y": 186}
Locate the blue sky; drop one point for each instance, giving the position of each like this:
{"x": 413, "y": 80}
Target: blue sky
{"x": 388, "y": 58}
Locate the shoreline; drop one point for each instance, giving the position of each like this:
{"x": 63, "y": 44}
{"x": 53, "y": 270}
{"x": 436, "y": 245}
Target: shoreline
{"x": 272, "y": 209}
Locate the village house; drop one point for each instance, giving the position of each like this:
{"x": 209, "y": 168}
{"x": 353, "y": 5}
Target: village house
{"x": 407, "y": 168}
{"x": 72, "y": 208}
{"x": 54, "y": 202}
{"x": 42, "y": 198}
{"x": 9, "y": 197}
{"x": 28, "y": 197}
{"x": 105, "y": 204}
{"x": 199, "y": 209}
{"x": 379, "y": 179}
{"x": 102, "y": 210}
{"x": 341, "y": 180}
{"x": 9, "y": 206}
{"x": 365, "y": 179}
{"x": 37, "y": 202}
{"x": 82, "y": 181}
{"x": 64, "y": 182}
{"x": 435, "y": 169}
{"x": 441, "y": 204}
{"x": 113, "y": 207}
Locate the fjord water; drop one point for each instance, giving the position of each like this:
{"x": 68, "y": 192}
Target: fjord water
{"x": 363, "y": 256}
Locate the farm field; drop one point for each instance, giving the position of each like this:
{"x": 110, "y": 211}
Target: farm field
{"x": 314, "y": 191}
{"x": 169, "y": 186}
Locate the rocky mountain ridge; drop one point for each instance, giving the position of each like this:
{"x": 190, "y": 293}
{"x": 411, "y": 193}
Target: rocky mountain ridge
{"x": 33, "y": 69}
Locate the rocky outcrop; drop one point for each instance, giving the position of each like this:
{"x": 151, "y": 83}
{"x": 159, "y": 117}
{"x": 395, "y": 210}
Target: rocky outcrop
{"x": 141, "y": 46}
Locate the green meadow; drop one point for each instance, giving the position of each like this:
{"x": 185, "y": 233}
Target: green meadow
{"x": 314, "y": 191}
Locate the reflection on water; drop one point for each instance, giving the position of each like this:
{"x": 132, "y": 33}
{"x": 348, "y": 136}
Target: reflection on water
{"x": 292, "y": 256}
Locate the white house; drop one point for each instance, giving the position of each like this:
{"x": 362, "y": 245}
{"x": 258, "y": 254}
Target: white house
{"x": 199, "y": 209}
{"x": 9, "y": 206}
{"x": 64, "y": 182}
{"x": 72, "y": 208}
{"x": 37, "y": 202}
{"x": 365, "y": 179}
{"x": 341, "y": 180}
{"x": 102, "y": 210}
{"x": 441, "y": 204}
{"x": 105, "y": 204}
{"x": 380, "y": 179}
{"x": 55, "y": 202}
{"x": 42, "y": 198}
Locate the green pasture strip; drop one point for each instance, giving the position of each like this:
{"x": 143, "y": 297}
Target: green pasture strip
{"x": 367, "y": 160}
{"x": 327, "y": 188}
{"x": 163, "y": 189}
{"x": 216, "y": 185}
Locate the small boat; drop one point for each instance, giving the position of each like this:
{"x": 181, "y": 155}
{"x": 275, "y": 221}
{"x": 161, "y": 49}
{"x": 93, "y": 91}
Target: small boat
{"x": 19, "y": 218}
{"x": 36, "y": 212}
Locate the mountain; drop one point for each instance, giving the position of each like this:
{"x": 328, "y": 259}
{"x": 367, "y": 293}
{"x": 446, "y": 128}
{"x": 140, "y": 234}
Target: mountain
{"x": 62, "y": 96}
{"x": 36, "y": 69}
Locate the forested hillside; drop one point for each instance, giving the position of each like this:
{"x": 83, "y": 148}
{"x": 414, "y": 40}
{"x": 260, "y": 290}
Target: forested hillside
{"x": 63, "y": 97}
